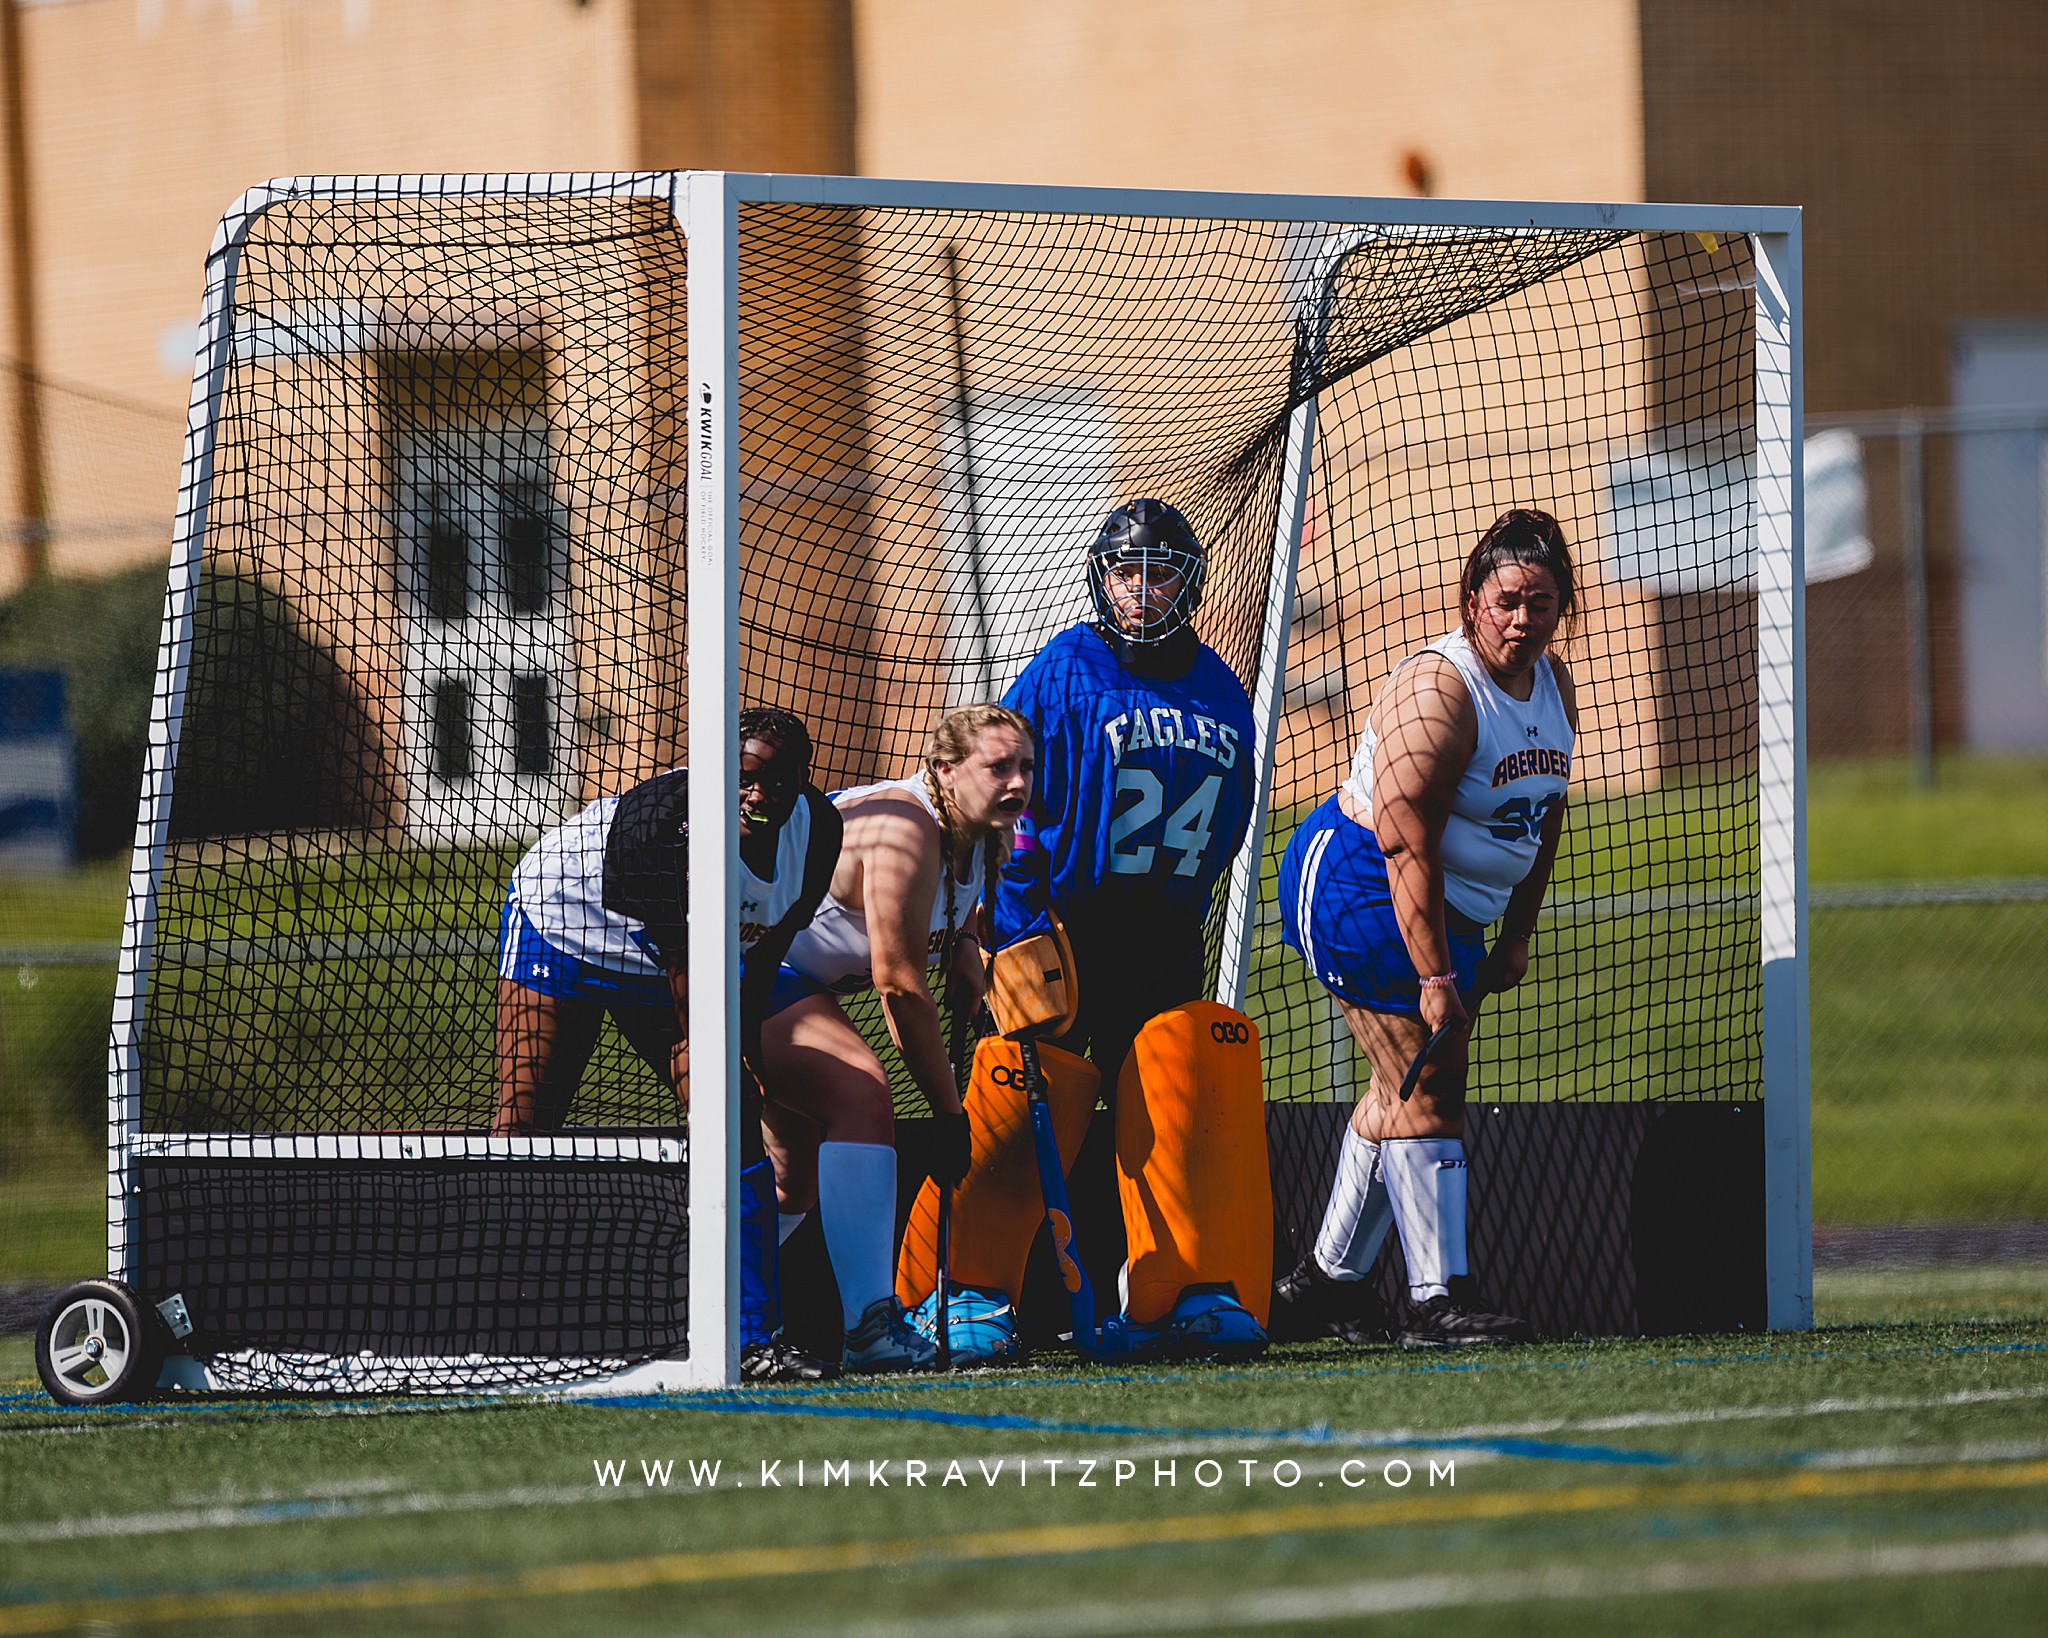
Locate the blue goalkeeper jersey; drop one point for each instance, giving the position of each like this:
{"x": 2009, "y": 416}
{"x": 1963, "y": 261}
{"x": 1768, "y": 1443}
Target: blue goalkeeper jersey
{"x": 1142, "y": 782}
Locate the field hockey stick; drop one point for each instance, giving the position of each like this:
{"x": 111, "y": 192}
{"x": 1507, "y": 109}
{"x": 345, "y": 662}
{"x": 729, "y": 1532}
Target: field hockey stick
{"x": 1052, "y": 1185}
{"x": 944, "y": 1250}
{"x": 1441, "y": 1034}
{"x": 945, "y": 1284}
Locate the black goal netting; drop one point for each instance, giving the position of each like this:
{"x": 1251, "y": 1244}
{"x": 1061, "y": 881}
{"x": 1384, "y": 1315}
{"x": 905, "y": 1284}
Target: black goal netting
{"x": 439, "y": 609}
{"x": 939, "y": 406}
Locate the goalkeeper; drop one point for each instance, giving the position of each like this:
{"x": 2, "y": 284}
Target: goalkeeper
{"x": 1450, "y": 821}
{"x": 919, "y": 853}
{"x": 596, "y": 924}
{"x": 1144, "y": 795}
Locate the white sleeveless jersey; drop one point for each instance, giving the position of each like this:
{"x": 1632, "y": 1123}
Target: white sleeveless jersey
{"x": 1517, "y": 775}
{"x": 559, "y": 887}
{"x": 834, "y": 950}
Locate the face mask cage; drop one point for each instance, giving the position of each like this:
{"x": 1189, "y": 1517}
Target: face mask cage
{"x": 1141, "y": 621}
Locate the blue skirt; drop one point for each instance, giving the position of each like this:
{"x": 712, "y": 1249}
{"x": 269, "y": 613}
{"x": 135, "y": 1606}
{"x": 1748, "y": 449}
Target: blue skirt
{"x": 1337, "y": 910}
{"x": 530, "y": 961}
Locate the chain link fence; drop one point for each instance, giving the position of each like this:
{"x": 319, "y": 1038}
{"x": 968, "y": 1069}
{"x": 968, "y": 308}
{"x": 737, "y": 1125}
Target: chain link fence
{"x": 1927, "y": 605}
{"x": 1927, "y": 584}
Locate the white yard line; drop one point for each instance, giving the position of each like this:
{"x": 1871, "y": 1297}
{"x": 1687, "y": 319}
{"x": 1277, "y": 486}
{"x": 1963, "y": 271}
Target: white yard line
{"x": 240, "y": 1515}
{"x": 1627, "y": 1420}
{"x": 2009, "y": 1450}
{"x": 1392, "y": 1595}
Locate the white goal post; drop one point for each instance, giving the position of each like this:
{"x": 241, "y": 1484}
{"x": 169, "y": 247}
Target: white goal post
{"x": 730, "y": 223}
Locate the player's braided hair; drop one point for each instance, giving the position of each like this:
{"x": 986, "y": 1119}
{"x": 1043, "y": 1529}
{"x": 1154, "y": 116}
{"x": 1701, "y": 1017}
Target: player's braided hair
{"x": 1531, "y": 538}
{"x": 952, "y": 743}
{"x": 786, "y": 728}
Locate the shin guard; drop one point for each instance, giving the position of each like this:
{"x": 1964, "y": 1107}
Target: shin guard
{"x": 1191, "y": 1161}
{"x": 997, "y": 1210}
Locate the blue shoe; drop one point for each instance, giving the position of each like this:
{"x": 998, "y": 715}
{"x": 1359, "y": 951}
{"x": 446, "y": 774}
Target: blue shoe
{"x": 882, "y": 1341}
{"x": 1205, "y": 1324}
{"x": 1211, "y": 1325}
{"x": 982, "y": 1325}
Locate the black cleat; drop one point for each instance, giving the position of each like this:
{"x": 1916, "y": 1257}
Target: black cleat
{"x": 1308, "y": 1304}
{"x": 777, "y": 1361}
{"x": 1458, "y": 1321}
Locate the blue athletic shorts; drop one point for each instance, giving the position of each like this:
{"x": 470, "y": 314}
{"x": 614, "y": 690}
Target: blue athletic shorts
{"x": 1337, "y": 910}
{"x": 532, "y": 963}
{"x": 790, "y": 987}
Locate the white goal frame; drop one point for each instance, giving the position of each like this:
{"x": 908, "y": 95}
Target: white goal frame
{"x": 707, "y": 206}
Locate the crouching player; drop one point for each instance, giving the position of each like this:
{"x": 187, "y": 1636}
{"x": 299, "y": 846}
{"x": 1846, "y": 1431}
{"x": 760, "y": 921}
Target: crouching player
{"x": 1144, "y": 795}
{"x": 596, "y": 923}
{"x": 919, "y": 853}
{"x": 1450, "y": 820}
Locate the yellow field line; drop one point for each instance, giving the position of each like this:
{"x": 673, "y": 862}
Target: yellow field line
{"x": 750, "y": 1563}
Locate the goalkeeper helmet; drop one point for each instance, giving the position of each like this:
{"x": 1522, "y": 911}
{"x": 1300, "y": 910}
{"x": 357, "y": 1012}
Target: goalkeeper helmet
{"x": 1145, "y": 570}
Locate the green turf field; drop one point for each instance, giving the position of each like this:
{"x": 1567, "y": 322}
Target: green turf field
{"x": 1887, "y": 1473}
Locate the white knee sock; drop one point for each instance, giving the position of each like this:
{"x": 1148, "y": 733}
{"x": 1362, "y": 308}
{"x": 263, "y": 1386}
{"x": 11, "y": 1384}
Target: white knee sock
{"x": 1355, "y": 1221}
{"x": 857, "y": 1206}
{"x": 787, "y": 1223}
{"x": 1426, "y": 1179}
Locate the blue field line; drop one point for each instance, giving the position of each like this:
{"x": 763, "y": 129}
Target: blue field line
{"x": 1320, "y": 1434}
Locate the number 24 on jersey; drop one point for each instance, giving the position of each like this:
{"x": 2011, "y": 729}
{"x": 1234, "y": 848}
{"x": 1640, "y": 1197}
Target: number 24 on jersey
{"x": 1136, "y": 840}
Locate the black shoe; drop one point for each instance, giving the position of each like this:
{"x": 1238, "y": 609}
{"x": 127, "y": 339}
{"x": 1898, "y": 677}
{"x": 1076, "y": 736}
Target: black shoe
{"x": 1308, "y": 1304}
{"x": 1458, "y": 1321}
{"x": 777, "y": 1361}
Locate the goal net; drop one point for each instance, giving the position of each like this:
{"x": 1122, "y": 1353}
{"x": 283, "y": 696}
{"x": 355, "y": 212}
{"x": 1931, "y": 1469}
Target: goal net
{"x": 430, "y": 600}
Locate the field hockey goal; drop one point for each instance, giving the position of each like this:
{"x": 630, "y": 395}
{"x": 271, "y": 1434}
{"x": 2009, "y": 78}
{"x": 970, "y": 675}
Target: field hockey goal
{"x": 503, "y": 493}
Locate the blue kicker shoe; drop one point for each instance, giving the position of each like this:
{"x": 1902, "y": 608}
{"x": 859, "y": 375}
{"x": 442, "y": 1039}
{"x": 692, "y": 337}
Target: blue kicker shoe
{"x": 1205, "y": 1324}
{"x": 982, "y": 1323}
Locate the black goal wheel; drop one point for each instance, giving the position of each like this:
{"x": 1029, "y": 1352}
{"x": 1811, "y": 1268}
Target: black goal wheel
{"x": 99, "y": 1344}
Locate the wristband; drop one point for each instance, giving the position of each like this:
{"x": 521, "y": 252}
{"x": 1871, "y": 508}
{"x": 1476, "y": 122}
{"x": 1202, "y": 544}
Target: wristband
{"x": 1439, "y": 981}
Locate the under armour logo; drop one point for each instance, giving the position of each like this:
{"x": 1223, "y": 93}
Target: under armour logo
{"x": 1535, "y": 732}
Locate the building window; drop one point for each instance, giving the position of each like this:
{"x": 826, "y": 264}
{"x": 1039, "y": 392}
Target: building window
{"x": 454, "y": 737}
{"x": 533, "y": 733}
{"x": 1028, "y": 478}
{"x": 484, "y": 570}
{"x": 447, "y": 553}
{"x": 528, "y": 548}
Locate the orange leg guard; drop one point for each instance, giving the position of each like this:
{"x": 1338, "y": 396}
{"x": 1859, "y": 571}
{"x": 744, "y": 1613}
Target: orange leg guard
{"x": 997, "y": 1209}
{"x": 1191, "y": 1161}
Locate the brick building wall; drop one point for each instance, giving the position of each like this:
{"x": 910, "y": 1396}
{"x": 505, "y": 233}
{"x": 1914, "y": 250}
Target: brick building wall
{"x": 1915, "y": 139}
{"x": 1516, "y": 99}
